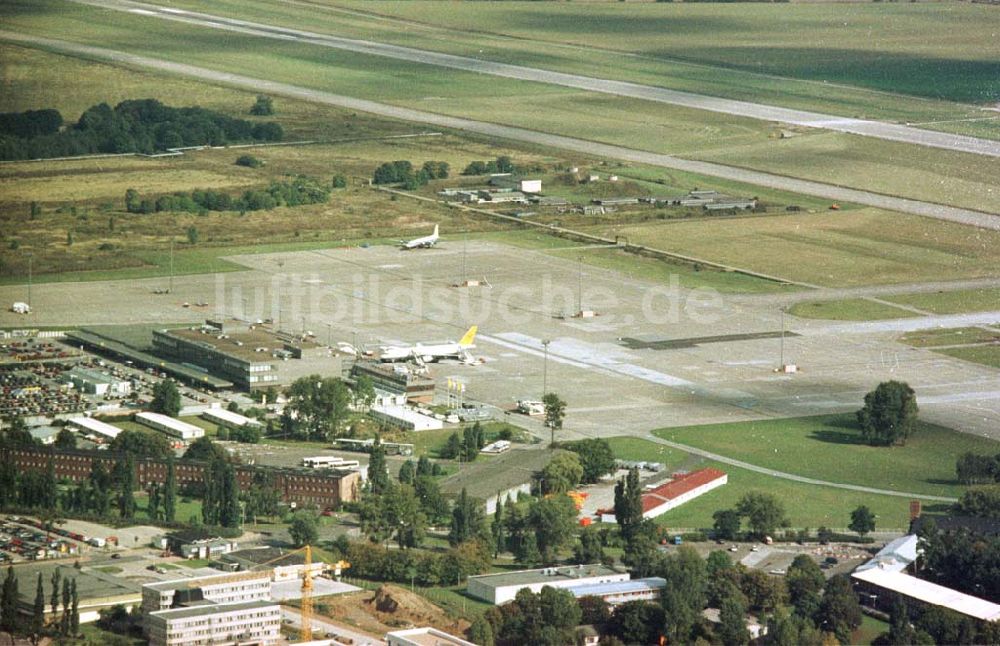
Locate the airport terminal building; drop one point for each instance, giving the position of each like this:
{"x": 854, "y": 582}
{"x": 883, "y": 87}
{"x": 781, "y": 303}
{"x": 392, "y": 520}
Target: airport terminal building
{"x": 252, "y": 357}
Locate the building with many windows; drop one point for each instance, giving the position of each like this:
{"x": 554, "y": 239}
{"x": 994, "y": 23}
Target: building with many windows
{"x": 238, "y": 587}
{"x": 251, "y": 622}
{"x": 253, "y": 357}
{"x": 326, "y": 488}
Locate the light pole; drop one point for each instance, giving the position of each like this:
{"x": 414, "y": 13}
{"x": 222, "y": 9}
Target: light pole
{"x": 329, "y": 335}
{"x": 31, "y": 258}
{"x": 545, "y": 367}
{"x": 782, "y": 364}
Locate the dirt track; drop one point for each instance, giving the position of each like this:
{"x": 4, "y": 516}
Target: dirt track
{"x": 827, "y": 191}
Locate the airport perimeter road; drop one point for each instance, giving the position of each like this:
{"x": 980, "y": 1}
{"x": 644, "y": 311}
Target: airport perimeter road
{"x": 826, "y": 191}
{"x": 864, "y": 127}
{"x": 791, "y": 476}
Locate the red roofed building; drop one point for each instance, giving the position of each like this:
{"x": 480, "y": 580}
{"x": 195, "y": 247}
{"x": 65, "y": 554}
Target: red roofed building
{"x": 681, "y": 488}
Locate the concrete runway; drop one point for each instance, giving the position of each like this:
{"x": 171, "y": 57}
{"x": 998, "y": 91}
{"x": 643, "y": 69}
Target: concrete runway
{"x": 864, "y": 127}
{"x": 383, "y": 295}
{"x": 806, "y": 187}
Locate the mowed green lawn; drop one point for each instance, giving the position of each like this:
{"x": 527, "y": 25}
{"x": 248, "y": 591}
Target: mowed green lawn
{"x": 949, "y": 336}
{"x": 832, "y": 248}
{"x": 830, "y": 448}
{"x": 852, "y": 309}
{"x": 806, "y": 505}
{"x": 953, "y": 302}
{"x": 940, "y": 302}
{"x": 988, "y": 355}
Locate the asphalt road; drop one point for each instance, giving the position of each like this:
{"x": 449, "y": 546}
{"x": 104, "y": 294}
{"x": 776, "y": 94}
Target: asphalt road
{"x": 827, "y": 191}
{"x": 864, "y": 127}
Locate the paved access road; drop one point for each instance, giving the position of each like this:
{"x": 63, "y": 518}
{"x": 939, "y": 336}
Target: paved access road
{"x": 806, "y": 187}
{"x": 864, "y": 127}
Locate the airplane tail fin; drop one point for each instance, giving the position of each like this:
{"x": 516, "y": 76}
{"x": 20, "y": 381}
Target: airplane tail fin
{"x": 435, "y": 230}
{"x": 469, "y": 337}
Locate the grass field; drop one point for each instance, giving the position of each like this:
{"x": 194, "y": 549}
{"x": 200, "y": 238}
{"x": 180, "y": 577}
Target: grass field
{"x": 830, "y": 448}
{"x": 837, "y": 249}
{"x": 853, "y": 309}
{"x": 862, "y": 309}
{"x": 948, "y": 336}
{"x": 958, "y": 178}
{"x": 806, "y": 505}
{"x": 812, "y": 56}
{"x": 954, "y": 302}
{"x": 988, "y": 355}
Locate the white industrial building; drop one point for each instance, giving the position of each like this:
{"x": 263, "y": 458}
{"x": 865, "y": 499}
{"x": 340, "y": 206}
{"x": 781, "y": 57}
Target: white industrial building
{"x": 885, "y": 575}
{"x": 877, "y": 582}
{"x": 501, "y": 588}
{"x": 96, "y": 382}
{"x": 251, "y": 622}
{"x": 170, "y": 426}
{"x": 91, "y": 426}
{"x": 619, "y": 592}
{"x": 405, "y": 418}
{"x": 423, "y": 637}
{"x": 229, "y": 419}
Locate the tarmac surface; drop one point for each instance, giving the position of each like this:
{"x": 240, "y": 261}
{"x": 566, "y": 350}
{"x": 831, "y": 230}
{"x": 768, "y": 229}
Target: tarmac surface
{"x": 805, "y": 187}
{"x": 864, "y": 127}
{"x": 381, "y": 295}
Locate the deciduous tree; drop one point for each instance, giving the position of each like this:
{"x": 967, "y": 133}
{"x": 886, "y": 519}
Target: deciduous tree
{"x": 889, "y": 415}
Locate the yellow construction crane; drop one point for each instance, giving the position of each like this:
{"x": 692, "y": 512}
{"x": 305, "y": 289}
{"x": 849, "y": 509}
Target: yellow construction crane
{"x": 305, "y": 631}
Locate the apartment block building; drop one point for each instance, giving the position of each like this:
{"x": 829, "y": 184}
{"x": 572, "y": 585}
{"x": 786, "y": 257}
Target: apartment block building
{"x": 250, "y": 622}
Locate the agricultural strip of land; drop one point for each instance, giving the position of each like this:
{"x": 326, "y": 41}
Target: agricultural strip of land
{"x": 633, "y": 122}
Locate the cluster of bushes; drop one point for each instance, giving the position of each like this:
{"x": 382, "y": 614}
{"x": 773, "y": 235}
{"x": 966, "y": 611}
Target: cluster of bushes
{"x": 298, "y": 191}
{"x": 136, "y": 126}
{"x": 403, "y": 172}
{"x": 502, "y": 164}
{"x": 249, "y": 161}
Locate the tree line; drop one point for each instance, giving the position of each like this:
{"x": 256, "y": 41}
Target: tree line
{"x": 297, "y": 191}
{"x": 403, "y": 172}
{"x": 134, "y": 126}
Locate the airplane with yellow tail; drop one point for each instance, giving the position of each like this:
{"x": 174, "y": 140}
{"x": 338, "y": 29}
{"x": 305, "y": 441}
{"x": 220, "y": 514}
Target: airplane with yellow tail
{"x": 434, "y": 352}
